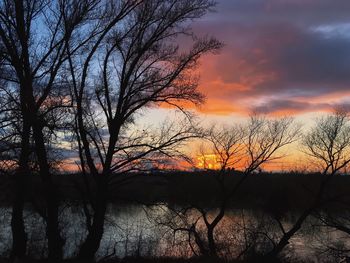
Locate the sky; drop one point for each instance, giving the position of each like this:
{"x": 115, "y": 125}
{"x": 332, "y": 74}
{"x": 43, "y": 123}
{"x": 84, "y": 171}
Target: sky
{"x": 280, "y": 57}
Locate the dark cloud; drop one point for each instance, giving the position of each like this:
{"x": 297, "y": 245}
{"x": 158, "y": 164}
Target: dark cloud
{"x": 293, "y": 106}
{"x": 285, "y": 49}
{"x": 275, "y": 106}
{"x": 303, "y": 64}
{"x": 301, "y": 12}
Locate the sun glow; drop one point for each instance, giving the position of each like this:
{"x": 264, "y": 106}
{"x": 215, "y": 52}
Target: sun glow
{"x": 208, "y": 161}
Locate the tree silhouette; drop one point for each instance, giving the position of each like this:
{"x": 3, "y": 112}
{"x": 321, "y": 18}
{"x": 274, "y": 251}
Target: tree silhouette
{"x": 247, "y": 147}
{"x": 328, "y": 143}
{"x": 141, "y": 66}
{"x": 33, "y": 38}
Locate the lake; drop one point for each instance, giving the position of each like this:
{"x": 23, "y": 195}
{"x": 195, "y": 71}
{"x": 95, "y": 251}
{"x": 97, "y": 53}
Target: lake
{"x": 139, "y": 230}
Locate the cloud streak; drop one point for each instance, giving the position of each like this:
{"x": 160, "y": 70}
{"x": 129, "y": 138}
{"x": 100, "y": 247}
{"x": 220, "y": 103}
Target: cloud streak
{"x": 278, "y": 56}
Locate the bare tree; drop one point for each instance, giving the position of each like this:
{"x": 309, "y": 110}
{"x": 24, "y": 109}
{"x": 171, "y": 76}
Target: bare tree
{"x": 247, "y": 147}
{"x": 12, "y": 140}
{"x": 140, "y": 66}
{"x": 33, "y": 35}
{"x": 328, "y": 143}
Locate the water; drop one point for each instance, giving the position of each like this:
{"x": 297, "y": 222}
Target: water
{"x": 137, "y": 230}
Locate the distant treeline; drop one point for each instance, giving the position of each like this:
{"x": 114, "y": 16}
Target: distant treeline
{"x": 263, "y": 191}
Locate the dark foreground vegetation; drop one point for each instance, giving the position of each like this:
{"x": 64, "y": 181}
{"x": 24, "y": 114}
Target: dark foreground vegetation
{"x": 291, "y": 190}
{"x": 275, "y": 197}
{"x": 75, "y": 77}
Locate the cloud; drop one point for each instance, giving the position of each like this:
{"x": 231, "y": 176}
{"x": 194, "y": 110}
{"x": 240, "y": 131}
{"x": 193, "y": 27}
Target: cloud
{"x": 279, "y": 52}
{"x": 289, "y": 106}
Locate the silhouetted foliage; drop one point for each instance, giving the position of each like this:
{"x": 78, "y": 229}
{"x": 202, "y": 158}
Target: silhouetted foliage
{"x": 80, "y": 74}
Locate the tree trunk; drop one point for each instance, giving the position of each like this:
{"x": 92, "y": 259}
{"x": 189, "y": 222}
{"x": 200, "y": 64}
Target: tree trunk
{"x": 284, "y": 241}
{"x": 211, "y": 242}
{"x": 211, "y": 228}
{"x": 19, "y": 243}
{"x": 55, "y": 241}
{"x": 19, "y": 237}
{"x": 92, "y": 242}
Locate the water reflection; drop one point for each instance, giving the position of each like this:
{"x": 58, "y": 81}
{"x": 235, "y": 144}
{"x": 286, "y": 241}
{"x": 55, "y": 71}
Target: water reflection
{"x": 138, "y": 230}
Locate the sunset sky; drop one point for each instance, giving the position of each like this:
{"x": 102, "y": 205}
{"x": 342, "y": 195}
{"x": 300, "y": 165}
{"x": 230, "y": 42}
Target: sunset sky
{"x": 281, "y": 57}
{"x": 289, "y": 57}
